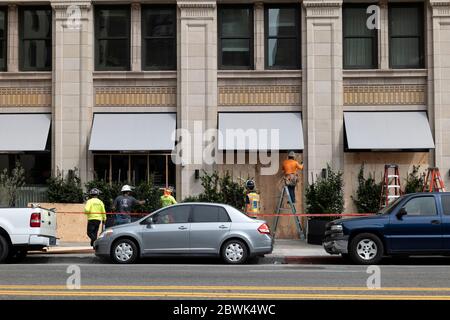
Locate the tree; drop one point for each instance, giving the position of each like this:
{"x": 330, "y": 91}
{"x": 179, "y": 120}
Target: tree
{"x": 368, "y": 194}
{"x": 10, "y": 182}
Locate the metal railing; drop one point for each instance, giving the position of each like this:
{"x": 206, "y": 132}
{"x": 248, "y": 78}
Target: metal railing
{"x": 29, "y": 194}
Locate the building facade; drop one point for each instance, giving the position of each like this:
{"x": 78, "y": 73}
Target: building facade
{"x": 102, "y": 85}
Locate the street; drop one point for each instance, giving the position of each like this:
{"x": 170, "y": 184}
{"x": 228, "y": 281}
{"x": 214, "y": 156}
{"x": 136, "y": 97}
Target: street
{"x": 46, "y": 277}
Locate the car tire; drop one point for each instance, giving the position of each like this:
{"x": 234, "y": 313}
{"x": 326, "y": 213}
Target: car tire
{"x": 234, "y": 252}
{"x": 366, "y": 248}
{"x": 4, "y": 249}
{"x": 124, "y": 251}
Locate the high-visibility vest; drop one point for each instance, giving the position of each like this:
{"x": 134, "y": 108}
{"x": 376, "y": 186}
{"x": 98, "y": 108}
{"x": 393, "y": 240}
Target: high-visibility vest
{"x": 253, "y": 203}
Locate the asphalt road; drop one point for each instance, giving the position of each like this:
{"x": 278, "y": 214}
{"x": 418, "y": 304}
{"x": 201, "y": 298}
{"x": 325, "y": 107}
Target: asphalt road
{"x": 45, "y": 277}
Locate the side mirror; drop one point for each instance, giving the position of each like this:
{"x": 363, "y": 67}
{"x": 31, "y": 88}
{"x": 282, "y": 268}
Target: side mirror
{"x": 402, "y": 212}
{"x": 147, "y": 221}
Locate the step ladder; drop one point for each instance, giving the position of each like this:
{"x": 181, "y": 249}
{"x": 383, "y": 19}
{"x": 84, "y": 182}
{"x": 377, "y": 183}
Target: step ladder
{"x": 433, "y": 182}
{"x": 285, "y": 194}
{"x": 391, "y": 185}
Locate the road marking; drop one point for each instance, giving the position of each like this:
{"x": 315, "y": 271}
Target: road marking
{"x": 305, "y": 270}
{"x": 221, "y": 295}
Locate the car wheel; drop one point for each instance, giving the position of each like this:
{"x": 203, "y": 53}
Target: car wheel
{"x": 4, "y": 249}
{"x": 124, "y": 251}
{"x": 234, "y": 252}
{"x": 366, "y": 248}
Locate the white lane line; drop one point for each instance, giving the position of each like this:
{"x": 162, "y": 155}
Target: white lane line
{"x": 312, "y": 271}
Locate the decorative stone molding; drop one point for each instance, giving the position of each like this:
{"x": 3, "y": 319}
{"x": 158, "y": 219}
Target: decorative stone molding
{"x": 259, "y": 95}
{"x": 384, "y": 95}
{"x": 322, "y": 8}
{"x": 25, "y": 97}
{"x": 61, "y": 12}
{"x": 135, "y": 96}
{"x": 197, "y": 9}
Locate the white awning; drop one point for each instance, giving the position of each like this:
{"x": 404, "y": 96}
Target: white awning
{"x": 24, "y": 132}
{"x": 260, "y": 131}
{"x": 388, "y": 130}
{"x": 133, "y": 132}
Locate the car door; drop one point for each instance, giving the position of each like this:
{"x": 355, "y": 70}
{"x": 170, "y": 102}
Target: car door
{"x": 445, "y": 205}
{"x": 169, "y": 231}
{"x": 420, "y": 230}
{"x": 209, "y": 226}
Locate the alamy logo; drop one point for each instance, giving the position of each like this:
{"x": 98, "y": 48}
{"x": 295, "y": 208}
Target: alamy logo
{"x": 374, "y": 280}
{"x": 373, "y": 21}
{"x": 73, "y": 20}
{"x": 74, "y": 280}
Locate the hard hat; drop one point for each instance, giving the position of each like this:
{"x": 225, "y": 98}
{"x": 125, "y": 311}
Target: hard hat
{"x": 291, "y": 154}
{"x": 94, "y": 192}
{"x": 126, "y": 188}
{"x": 250, "y": 184}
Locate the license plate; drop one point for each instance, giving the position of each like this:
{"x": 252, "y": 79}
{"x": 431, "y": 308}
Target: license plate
{"x": 52, "y": 242}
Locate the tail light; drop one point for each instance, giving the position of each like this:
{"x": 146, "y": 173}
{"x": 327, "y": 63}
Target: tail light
{"x": 35, "y": 220}
{"x": 264, "y": 229}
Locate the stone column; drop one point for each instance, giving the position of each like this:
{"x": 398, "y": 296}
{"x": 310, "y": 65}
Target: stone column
{"x": 197, "y": 84}
{"x": 439, "y": 82}
{"x": 322, "y": 86}
{"x": 72, "y": 86}
{"x": 13, "y": 38}
{"x": 259, "y": 52}
{"x": 383, "y": 36}
{"x": 135, "y": 36}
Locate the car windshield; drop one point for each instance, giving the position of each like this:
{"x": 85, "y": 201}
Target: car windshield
{"x": 388, "y": 208}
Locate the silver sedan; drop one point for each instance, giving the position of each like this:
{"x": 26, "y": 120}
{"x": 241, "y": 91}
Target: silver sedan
{"x": 188, "y": 229}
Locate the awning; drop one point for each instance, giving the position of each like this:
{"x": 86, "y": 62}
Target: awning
{"x": 260, "y": 131}
{"x": 133, "y": 132}
{"x": 24, "y": 132}
{"x": 388, "y": 130}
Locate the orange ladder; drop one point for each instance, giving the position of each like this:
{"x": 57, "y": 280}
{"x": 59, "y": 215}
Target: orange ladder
{"x": 433, "y": 182}
{"x": 391, "y": 185}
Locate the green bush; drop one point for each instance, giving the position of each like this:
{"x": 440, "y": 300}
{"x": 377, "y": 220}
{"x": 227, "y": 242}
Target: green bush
{"x": 326, "y": 195}
{"x": 368, "y": 194}
{"x": 151, "y": 194}
{"x": 414, "y": 181}
{"x": 10, "y": 182}
{"x": 65, "y": 189}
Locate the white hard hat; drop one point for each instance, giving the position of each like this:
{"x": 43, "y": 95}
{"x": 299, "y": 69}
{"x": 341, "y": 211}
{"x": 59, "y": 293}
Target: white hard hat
{"x": 126, "y": 188}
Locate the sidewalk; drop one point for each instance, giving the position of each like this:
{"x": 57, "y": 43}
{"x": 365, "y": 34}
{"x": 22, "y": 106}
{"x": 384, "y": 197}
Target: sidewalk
{"x": 285, "y": 251}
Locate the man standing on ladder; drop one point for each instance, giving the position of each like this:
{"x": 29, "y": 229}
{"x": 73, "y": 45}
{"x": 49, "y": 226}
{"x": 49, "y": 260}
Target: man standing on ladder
{"x": 290, "y": 168}
{"x": 251, "y": 198}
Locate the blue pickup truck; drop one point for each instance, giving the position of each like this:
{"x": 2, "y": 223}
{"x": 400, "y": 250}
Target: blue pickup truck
{"x": 414, "y": 224}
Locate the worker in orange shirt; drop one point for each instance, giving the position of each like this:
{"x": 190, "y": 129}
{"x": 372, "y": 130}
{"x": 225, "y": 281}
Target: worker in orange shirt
{"x": 290, "y": 169}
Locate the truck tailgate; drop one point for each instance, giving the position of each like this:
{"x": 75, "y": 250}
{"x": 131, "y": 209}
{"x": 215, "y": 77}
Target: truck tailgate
{"x": 48, "y": 223}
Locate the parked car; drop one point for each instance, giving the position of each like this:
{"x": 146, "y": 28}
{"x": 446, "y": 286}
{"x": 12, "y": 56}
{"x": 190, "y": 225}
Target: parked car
{"x": 414, "y": 224}
{"x": 188, "y": 229}
{"x": 24, "y": 229}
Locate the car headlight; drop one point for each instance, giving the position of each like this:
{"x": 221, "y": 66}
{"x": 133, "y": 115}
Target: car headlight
{"x": 336, "y": 227}
{"x": 106, "y": 233}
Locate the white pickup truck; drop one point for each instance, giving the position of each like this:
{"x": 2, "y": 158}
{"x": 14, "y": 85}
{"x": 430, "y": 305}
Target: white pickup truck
{"x": 25, "y": 229}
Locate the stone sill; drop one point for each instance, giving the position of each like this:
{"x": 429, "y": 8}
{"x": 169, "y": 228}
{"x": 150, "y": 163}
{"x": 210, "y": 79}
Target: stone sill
{"x": 264, "y": 74}
{"x": 105, "y": 75}
{"x": 388, "y": 73}
{"x": 26, "y": 75}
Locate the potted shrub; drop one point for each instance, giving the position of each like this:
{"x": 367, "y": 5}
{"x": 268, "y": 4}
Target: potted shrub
{"x": 325, "y": 195}
{"x": 368, "y": 194}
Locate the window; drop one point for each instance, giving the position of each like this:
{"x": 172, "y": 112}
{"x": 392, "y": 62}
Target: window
{"x": 235, "y": 37}
{"x": 406, "y": 45}
{"x": 178, "y": 214}
{"x": 35, "y": 30}
{"x": 205, "y": 213}
{"x": 112, "y": 38}
{"x": 37, "y": 165}
{"x": 360, "y": 43}
{"x": 421, "y": 206}
{"x": 282, "y": 37}
{"x": 159, "y": 43}
{"x": 3, "y": 43}
{"x": 446, "y": 205}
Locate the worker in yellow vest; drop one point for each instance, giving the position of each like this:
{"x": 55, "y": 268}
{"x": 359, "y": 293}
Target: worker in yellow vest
{"x": 95, "y": 210}
{"x": 167, "y": 199}
{"x": 252, "y": 201}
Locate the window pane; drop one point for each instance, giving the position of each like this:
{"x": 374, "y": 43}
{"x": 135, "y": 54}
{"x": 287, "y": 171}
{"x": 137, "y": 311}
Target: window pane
{"x": 37, "y": 54}
{"x": 37, "y": 167}
{"x": 138, "y": 169}
{"x": 405, "y": 52}
{"x": 112, "y": 22}
{"x": 354, "y": 22}
{"x": 101, "y": 167}
{"x": 2, "y": 24}
{"x": 37, "y": 23}
{"x": 358, "y": 52}
{"x": 423, "y": 206}
{"x": 157, "y": 165}
{"x": 205, "y": 214}
{"x": 405, "y": 21}
{"x": 158, "y": 22}
{"x": 235, "y": 22}
{"x": 113, "y": 53}
{"x": 223, "y": 215}
{"x": 2, "y": 39}
{"x": 281, "y": 53}
{"x": 282, "y": 22}
{"x": 236, "y": 52}
{"x": 160, "y": 53}
{"x": 446, "y": 204}
{"x": 179, "y": 214}
{"x": 2, "y": 55}
{"x": 120, "y": 168}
